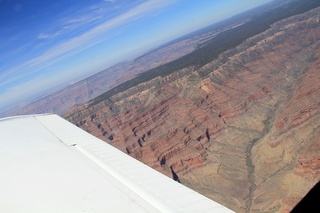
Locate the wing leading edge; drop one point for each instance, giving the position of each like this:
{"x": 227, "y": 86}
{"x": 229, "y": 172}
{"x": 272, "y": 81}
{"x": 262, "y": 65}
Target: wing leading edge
{"x": 49, "y": 165}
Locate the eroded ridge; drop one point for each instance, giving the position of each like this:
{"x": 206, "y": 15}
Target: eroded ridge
{"x": 242, "y": 129}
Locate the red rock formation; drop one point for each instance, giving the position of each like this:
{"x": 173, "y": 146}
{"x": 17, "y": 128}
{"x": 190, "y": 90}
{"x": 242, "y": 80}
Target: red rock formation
{"x": 246, "y": 134}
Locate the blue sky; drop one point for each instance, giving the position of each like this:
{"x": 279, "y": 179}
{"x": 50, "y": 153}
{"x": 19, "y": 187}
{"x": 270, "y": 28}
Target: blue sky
{"x": 46, "y": 44}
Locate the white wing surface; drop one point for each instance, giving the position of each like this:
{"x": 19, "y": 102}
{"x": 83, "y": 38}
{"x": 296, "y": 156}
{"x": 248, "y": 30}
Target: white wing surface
{"x": 49, "y": 165}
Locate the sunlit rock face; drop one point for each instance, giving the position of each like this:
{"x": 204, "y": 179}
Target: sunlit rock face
{"x": 243, "y": 130}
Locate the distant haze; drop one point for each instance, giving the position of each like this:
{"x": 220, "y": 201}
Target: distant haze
{"x": 48, "y": 44}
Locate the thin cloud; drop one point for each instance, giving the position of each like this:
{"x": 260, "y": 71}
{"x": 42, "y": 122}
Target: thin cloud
{"x": 82, "y": 42}
{"x": 48, "y": 36}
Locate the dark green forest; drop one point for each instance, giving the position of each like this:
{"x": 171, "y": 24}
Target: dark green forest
{"x": 210, "y": 50}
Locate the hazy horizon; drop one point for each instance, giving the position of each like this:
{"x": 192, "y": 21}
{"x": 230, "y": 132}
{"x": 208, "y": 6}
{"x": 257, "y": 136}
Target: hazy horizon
{"x": 48, "y": 44}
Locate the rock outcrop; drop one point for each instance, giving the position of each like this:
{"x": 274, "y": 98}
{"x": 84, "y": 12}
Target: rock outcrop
{"x": 243, "y": 129}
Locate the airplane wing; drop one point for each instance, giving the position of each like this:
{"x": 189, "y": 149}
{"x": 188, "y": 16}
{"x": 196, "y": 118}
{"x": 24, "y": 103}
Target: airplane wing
{"x": 49, "y": 165}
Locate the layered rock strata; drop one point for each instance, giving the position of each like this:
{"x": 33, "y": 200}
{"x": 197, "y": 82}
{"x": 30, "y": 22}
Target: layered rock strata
{"x": 243, "y": 130}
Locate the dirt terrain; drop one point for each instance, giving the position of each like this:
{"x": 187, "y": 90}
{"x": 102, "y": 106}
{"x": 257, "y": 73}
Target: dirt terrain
{"x": 243, "y": 129}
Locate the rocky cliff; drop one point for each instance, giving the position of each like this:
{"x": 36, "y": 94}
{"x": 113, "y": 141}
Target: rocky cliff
{"x": 243, "y": 129}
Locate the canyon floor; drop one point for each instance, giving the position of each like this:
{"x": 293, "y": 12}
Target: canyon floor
{"x": 242, "y": 129}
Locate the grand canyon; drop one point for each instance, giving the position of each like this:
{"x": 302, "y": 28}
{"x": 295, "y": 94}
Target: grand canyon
{"x": 236, "y": 121}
